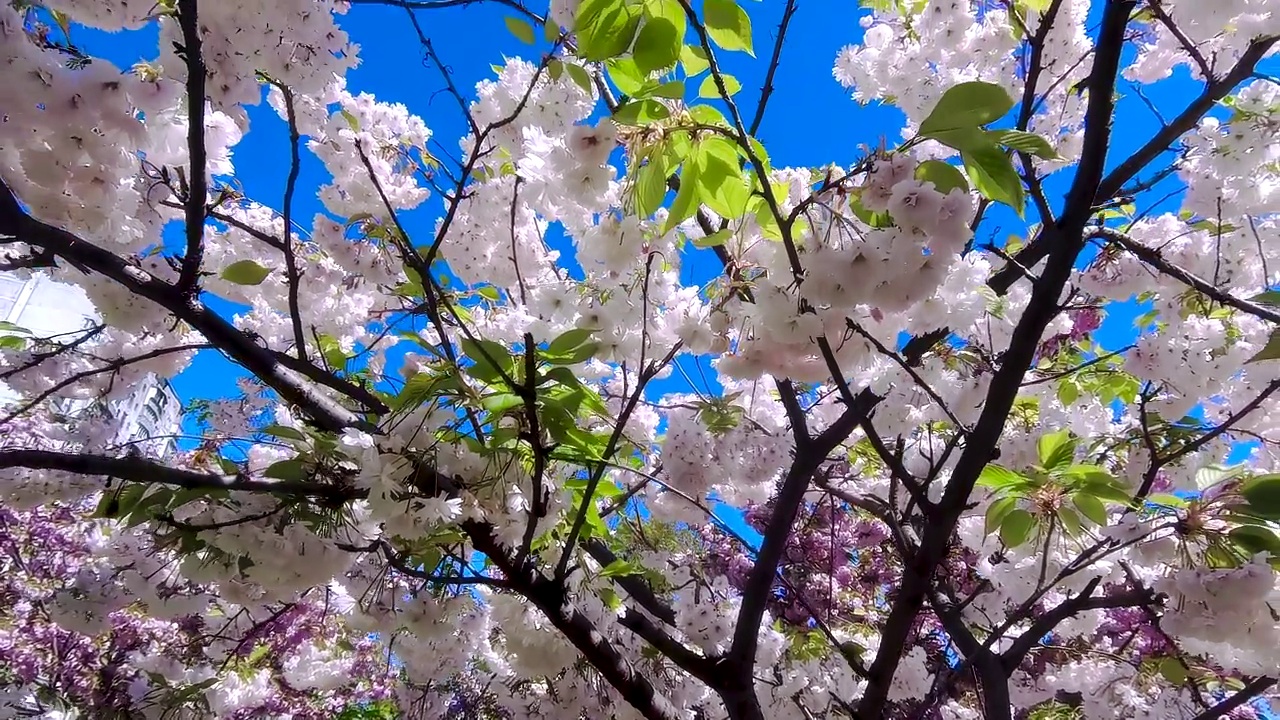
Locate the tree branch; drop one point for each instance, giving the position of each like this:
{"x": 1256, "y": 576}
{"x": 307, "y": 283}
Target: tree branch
{"x": 325, "y": 412}
{"x": 767, "y": 90}
{"x": 1156, "y": 260}
{"x": 1066, "y": 239}
{"x": 290, "y": 262}
{"x": 197, "y": 180}
{"x": 1037, "y": 249}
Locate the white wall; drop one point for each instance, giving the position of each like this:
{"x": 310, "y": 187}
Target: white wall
{"x": 47, "y": 308}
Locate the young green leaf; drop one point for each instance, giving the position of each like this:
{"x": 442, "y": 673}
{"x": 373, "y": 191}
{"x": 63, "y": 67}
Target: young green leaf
{"x": 1016, "y": 527}
{"x": 997, "y": 477}
{"x": 627, "y": 74}
{"x": 521, "y": 29}
{"x": 997, "y": 511}
{"x": 619, "y": 568}
{"x": 500, "y": 403}
{"x": 1091, "y": 507}
{"x": 969, "y": 104}
{"x": 728, "y": 25}
{"x": 994, "y": 176}
{"x": 245, "y": 272}
{"x": 715, "y": 239}
{"x": 1056, "y": 449}
{"x": 694, "y": 60}
{"x": 605, "y": 28}
{"x": 1025, "y": 142}
{"x": 579, "y": 75}
{"x": 650, "y": 185}
{"x": 1262, "y": 493}
{"x": 709, "y": 89}
{"x": 658, "y": 44}
{"x": 641, "y": 112}
{"x": 292, "y": 470}
{"x": 944, "y": 176}
{"x": 722, "y": 186}
{"x": 686, "y": 202}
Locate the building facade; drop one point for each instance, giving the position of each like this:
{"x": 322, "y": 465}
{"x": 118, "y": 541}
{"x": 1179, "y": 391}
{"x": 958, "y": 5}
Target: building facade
{"x": 148, "y": 418}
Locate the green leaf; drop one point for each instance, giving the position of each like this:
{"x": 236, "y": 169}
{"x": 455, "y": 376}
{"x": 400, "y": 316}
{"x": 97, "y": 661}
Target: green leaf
{"x": 686, "y": 202}
{"x": 292, "y": 469}
{"x": 1016, "y": 527}
{"x": 281, "y": 431}
{"x": 1167, "y": 500}
{"x": 650, "y": 185}
{"x": 694, "y": 60}
{"x": 1068, "y": 392}
{"x": 551, "y": 31}
{"x": 998, "y": 477}
{"x": 499, "y": 403}
{"x": 728, "y": 25}
{"x": 1270, "y": 297}
{"x": 1070, "y": 521}
{"x": 6, "y": 326}
{"x": 490, "y": 293}
{"x": 944, "y": 176}
{"x": 709, "y": 88}
{"x": 573, "y": 347}
{"x": 1211, "y": 475}
{"x": 245, "y": 272}
{"x": 521, "y": 29}
{"x": 569, "y": 341}
{"x": 965, "y": 138}
{"x": 1173, "y": 671}
{"x": 12, "y": 342}
{"x": 1056, "y": 449}
{"x": 620, "y": 568}
{"x": 721, "y": 185}
{"x": 605, "y": 28}
{"x": 625, "y": 73}
{"x": 1025, "y": 142}
{"x": 1271, "y": 351}
{"x": 1091, "y": 507}
{"x": 996, "y": 513}
{"x": 1253, "y": 540}
{"x": 491, "y": 359}
{"x": 659, "y": 42}
{"x": 1262, "y": 493}
{"x": 993, "y": 175}
{"x": 579, "y": 75}
{"x": 715, "y": 239}
{"x": 708, "y": 115}
{"x": 352, "y": 121}
{"x": 673, "y": 90}
{"x": 969, "y": 104}
{"x": 641, "y": 112}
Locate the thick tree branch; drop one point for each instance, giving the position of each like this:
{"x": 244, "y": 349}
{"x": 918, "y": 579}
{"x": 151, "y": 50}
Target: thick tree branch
{"x": 1066, "y": 240}
{"x": 197, "y": 167}
{"x": 550, "y": 596}
{"x": 809, "y": 456}
{"x": 1046, "y": 622}
{"x": 142, "y": 470}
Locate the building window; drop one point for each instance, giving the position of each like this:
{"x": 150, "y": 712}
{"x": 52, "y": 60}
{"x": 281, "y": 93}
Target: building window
{"x": 10, "y": 291}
